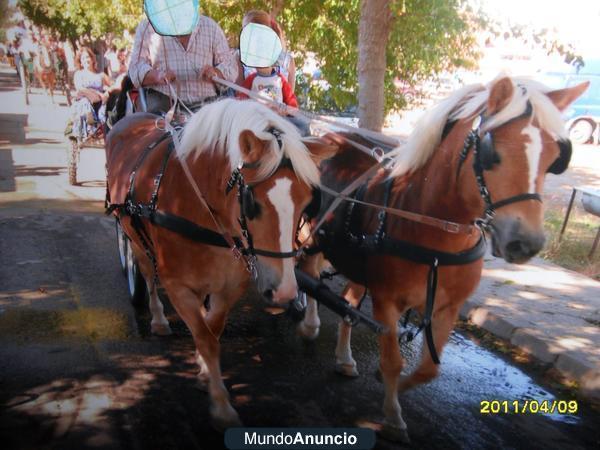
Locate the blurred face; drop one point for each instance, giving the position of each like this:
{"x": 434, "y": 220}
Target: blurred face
{"x": 86, "y": 61}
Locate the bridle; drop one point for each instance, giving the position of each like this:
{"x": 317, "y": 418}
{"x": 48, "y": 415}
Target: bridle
{"x": 249, "y": 210}
{"x": 485, "y": 157}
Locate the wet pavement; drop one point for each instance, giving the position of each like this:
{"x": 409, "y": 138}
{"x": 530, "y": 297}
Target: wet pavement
{"x": 79, "y": 369}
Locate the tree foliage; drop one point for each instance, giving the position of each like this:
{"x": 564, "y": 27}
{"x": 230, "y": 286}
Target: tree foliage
{"x": 6, "y": 12}
{"x": 74, "y": 18}
{"x": 427, "y": 36}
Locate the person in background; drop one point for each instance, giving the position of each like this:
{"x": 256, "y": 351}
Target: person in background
{"x": 91, "y": 88}
{"x": 285, "y": 63}
{"x": 270, "y": 83}
{"x": 112, "y": 62}
{"x": 187, "y": 62}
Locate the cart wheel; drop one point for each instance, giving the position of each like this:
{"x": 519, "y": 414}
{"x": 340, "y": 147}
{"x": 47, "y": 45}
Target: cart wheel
{"x": 581, "y": 131}
{"x": 72, "y": 158}
{"x": 135, "y": 280}
{"x": 122, "y": 246}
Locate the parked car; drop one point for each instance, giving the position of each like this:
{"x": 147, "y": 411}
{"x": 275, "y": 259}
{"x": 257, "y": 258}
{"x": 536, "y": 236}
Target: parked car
{"x": 583, "y": 116}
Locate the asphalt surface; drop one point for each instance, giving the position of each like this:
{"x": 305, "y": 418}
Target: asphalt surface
{"x": 79, "y": 368}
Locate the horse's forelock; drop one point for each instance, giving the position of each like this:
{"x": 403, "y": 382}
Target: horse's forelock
{"x": 217, "y": 127}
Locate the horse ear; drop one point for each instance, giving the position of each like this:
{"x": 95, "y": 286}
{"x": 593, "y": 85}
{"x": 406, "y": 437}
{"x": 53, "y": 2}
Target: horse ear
{"x": 500, "y": 95}
{"x": 252, "y": 148}
{"x": 319, "y": 149}
{"x": 562, "y": 98}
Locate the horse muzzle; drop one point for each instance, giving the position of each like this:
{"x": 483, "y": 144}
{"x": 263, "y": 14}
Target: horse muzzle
{"x": 277, "y": 289}
{"x": 513, "y": 241}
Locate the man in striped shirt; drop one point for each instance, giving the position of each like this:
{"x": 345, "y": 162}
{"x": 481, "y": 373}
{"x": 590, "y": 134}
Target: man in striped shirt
{"x": 187, "y": 62}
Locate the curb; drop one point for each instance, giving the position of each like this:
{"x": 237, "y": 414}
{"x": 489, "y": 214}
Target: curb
{"x": 573, "y": 365}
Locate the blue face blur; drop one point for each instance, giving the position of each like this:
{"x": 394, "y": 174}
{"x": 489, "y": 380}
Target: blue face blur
{"x": 172, "y": 17}
{"x": 259, "y": 46}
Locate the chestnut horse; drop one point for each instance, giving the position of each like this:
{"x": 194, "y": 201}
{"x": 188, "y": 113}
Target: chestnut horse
{"x": 482, "y": 153}
{"x": 226, "y": 144}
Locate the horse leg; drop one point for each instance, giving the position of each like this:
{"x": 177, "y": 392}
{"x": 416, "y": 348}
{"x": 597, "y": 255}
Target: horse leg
{"x": 188, "y": 306}
{"x": 216, "y": 317}
{"x": 442, "y": 324}
{"x": 308, "y": 328}
{"x": 390, "y": 364}
{"x": 344, "y": 362}
{"x": 159, "y": 324}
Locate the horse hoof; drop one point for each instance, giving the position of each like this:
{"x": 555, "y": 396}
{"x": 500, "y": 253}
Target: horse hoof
{"x": 348, "y": 370}
{"x": 160, "y": 329}
{"x": 308, "y": 332}
{"x": 394, "y": 434}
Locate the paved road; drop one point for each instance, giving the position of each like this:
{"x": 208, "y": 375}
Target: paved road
{"x": 78, "y": 368}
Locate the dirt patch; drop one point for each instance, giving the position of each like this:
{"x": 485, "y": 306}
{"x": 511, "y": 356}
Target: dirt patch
{"x": 91, "y": 324}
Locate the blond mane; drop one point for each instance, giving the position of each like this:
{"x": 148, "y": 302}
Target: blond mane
{"x": 466, "y": 103}
{"x": 217, "y": 128}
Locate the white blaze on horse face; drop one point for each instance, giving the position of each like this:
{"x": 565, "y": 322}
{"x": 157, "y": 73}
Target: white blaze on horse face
{"x": 533, "y": 150}
{"x": 280, "y": 196}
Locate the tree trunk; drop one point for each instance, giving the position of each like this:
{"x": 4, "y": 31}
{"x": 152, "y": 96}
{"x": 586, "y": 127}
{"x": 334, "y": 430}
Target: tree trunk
{"x": 373, "y": 34}
{"x": 277, "y": 7}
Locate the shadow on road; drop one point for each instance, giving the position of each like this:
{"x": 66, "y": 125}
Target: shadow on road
{"x": 7, "y": 171}
{"x": 37, "y": 171}
{"x": 13, "y": 129}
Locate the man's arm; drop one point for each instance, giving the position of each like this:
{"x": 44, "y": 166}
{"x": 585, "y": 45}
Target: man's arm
{"x": 140, "y": 64}
{"x": 223, "y": 58}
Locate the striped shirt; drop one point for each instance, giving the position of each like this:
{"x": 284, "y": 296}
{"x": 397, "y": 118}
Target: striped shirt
{"x": 207, "y": 47}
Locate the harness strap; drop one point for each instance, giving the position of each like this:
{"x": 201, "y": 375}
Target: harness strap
{"x": 421, "y": 255}
{"x": 516, "y": 198}
{"x": 429, "y": 304}
{"x": 197, "y": 233}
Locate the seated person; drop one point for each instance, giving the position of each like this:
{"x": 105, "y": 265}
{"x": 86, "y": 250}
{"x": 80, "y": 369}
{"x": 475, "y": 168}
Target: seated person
{"x": 187, "y": 62}
{"x": 91, "y": 94}
{"x": 285, "y": 62}
{"x": 268, "y": 82}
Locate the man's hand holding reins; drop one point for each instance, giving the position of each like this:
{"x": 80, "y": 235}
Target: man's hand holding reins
{"x": 155, "y": 76}
{"x": 209, "y": 72}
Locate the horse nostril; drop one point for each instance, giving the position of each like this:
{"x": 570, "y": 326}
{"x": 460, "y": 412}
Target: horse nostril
{"x": 521, "y": 250}
{"x": 516, "y": 247}
{"x": 268, "y": 294}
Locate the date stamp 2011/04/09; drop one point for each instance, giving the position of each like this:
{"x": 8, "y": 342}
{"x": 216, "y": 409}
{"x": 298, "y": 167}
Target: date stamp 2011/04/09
{"x": 528, "y": 406}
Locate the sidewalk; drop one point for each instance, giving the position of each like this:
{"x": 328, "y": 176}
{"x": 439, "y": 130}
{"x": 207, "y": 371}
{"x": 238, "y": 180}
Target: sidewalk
{"x": 547, "y": 311}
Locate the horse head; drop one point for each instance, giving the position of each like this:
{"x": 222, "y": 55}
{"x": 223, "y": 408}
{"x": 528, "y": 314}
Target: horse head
{"x": 273, "y": 172}
{"x": 517, "y": 138}
{"x": 278, "y": 187}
